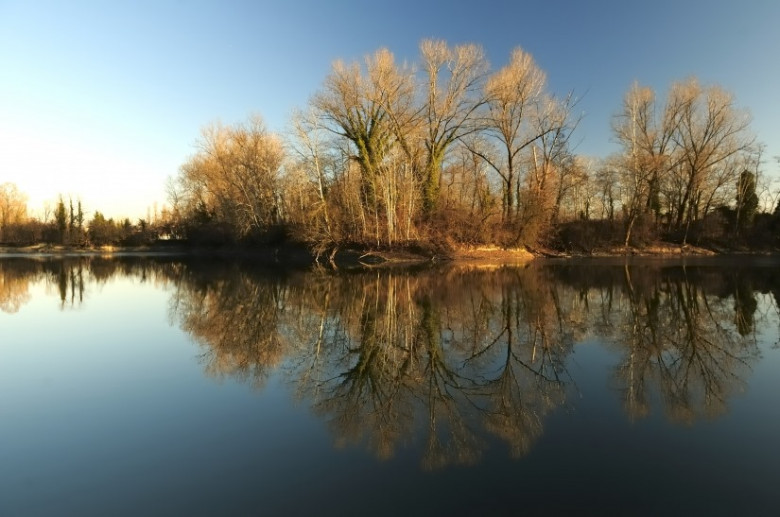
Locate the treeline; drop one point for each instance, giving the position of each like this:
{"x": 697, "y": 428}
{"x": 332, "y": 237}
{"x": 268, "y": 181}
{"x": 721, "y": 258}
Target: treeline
{"x": 67, "y": 224}
{"x": 451, "y": 151}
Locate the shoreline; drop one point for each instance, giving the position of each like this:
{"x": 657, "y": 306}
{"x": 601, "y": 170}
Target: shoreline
{"x": 298, "y": 255}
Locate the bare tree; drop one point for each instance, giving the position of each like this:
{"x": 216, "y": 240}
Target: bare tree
{"x": 318, "y": 164}
{"x": 513, "y": 96}
{"x": 710, "y": 131}
{"x": 648, "y": 151}
{"x": 453, "y": 94}
{"x": 552, "y": 170}
{"x": 373, "y": 109}
{"x": 366, "y": 108}
{"x": 235, "y": 175}
{"x": 13, "y": 208}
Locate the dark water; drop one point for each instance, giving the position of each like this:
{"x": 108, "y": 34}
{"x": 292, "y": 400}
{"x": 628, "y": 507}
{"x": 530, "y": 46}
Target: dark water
{"x": 164, "y": 387}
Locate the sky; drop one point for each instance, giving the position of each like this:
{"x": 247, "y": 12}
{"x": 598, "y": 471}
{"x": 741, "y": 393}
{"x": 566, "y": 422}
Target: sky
{"x": 103, "y": 100}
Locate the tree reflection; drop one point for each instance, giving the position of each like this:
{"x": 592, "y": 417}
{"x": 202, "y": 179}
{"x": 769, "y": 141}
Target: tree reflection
{"x": 236, "y": 317}
{"x": 15, "y": 279}
{"x": 70, "y": 278}
{"x": 678, "y": 339}
{"x": 522, "y": 366}
{"x": 381, "y": 355}
{"x": 449, "y": 358}
{"x": 459, "y": 355}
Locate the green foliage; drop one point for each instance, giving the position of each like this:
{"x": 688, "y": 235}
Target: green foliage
{"x": 102, "y": 231}
{"x": 747, "y": 200}
{"x": 61, "y": 219}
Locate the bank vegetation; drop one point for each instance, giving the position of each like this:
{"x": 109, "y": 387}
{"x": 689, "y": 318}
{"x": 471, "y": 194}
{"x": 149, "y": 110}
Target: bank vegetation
{"x": 449, "y": 153}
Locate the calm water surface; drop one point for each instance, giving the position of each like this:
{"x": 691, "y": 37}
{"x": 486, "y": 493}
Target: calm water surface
{"x": 158, "y": 386}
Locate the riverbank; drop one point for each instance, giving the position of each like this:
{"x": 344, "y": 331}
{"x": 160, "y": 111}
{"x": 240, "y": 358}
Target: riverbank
{"x": 300, "y": 255}
{"x": 290, "y": 255}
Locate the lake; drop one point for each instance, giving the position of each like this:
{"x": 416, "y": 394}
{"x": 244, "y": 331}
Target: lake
{"x": 173, "y": 386}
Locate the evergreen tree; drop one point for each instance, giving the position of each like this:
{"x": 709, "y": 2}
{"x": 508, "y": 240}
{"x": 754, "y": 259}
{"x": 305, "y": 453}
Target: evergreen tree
{"x": 72, "y": 219}
{"x": 80, "y": 217}
{"x": 747, "y": 200}
{"x": 61, "y": 218}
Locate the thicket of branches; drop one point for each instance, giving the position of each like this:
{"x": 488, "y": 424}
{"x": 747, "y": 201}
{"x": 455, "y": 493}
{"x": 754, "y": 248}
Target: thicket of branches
{"x": 445, "y": 151}
{"x": 450, "y": 151}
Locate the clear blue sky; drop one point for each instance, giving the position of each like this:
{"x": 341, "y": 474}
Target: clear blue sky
{"x": 104, "y": 99}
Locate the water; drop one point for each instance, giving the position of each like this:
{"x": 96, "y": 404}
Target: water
{"x": 161, "y": 386}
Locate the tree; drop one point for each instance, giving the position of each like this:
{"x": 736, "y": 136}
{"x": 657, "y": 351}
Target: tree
{"x": 13, "y": 209}
{"x": 648, "y": 145}
{"x": 513, "y": 96}
{"x": 71, "y": 218}
{"x": 80, "y": 217}
{"x": 318, "y": 164}
{"x": 453, "y": 94}
{"x": 709, "y": 133}
{"x": 234, "y": 176}
{"x": 747, "y": 200}
{"x": 372, "y": 107}
{"x": 103, "y": 231}
{"x": 679, "y": 163}
{"x": 552, "y": 168}
{"x": 61, "y": 218}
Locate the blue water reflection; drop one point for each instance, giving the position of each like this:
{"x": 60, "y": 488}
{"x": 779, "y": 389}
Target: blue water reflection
{"x": 161, "y": 386}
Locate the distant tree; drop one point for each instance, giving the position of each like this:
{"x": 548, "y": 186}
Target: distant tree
{"x": 103, "y": 231}
{"x": 646, "y": 135}
{"x": 61, "y": 219}
{"x": 79, "y": 217}
{"x": 681, "y": 162}
{"x": 747, "y": 200}
{"x": 71, "y": 218}
{"x": 13, "y": 208}
{"x": 710, "y": 135}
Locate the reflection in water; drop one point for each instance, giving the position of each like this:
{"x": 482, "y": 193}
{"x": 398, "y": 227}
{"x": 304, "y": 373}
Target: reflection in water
{"x": 460, "y": 355}
{"x": 69, "y": 277}
{"x": 15, "y": 278}
{"x": 236, "y": 318}
{"x": 679, "y": 340}
{"x": 450, "y": 357}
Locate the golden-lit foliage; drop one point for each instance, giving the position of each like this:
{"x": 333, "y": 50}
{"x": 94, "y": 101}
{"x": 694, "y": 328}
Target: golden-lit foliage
{"x": 388, "y": 154}
{"x": 454, "y": 77}
{"x": 450, "y": 152}
{"x": 13, "y": 209}
{"x": 234, "y": 177}
{"x": 514, "y": 95}
{"x": 432, "y": 147}
{"x": 681, "y": 161}
{"x": 372, "y": 108}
